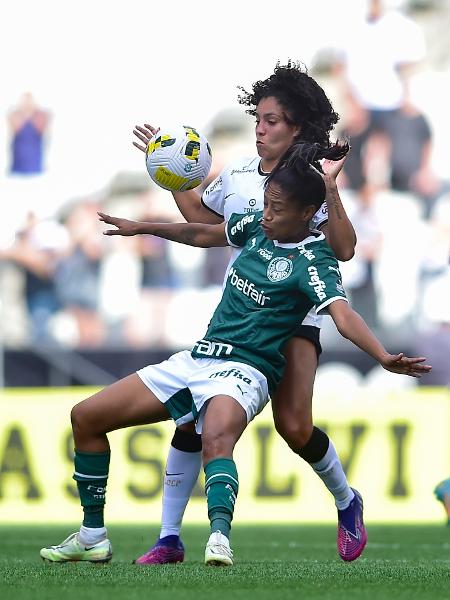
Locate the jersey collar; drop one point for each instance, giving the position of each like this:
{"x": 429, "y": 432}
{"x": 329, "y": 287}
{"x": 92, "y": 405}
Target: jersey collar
{"x": 261, "y": 172}
{"x": 316, "y": 236}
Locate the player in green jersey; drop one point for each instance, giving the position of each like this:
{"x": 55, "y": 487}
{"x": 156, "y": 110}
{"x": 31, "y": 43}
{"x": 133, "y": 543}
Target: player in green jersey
{"x": 225, "y": 381}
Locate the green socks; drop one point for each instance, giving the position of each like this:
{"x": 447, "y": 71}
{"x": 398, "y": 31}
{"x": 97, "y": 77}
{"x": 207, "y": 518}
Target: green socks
{"x": 91, "y": 475}
{"x": 221, "y": 486}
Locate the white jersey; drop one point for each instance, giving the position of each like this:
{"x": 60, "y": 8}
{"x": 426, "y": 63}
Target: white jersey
{"x": 240, "y": 189}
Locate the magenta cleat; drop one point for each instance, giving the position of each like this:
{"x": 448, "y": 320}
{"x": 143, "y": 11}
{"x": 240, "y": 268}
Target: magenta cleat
{"x": 352, "y": 535}
{"x": 167, "y": 550}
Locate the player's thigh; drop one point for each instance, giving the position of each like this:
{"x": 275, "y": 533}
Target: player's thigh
{"x": 293, "y": 398}
{"x": 224, "y": 422}
{"x": 123, "y": 404}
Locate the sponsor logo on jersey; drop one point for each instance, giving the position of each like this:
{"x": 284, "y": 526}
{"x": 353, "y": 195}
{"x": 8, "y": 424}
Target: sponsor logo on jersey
{"x": 253, "y": 244}
{"x": 210, "y": 189}
{"x": 306, "y": 253}
{"x": 231, "y": 373}
{"x": 279, "y": 268}
{"x": 243, "y": 170}
{"x": 265, "y": 253}
{"x": 252, "y": 202}
{"x": 339, "y": 286}
{"x": 317, "y": 284}
{"x": 212, "y": 348}
{"x": 247, "y": 287}
{"x": 241, "y": 223}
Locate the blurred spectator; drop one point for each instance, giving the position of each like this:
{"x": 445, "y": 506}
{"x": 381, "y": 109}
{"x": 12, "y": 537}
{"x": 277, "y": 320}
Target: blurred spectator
{"x": 37, "y": 251}
{"x": 77, "y": 280}
{"x": 358, "y": 273}
{"x": 28, "y": 125}
{"x": 373, "y": 67}
{"x": 434, "y": 339}
{"x": 409, "y": 156}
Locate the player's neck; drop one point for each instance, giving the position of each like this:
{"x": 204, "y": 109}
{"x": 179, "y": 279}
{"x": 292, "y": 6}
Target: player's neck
{"x": 297, "y": 237}
{"x": 266, "y": 166}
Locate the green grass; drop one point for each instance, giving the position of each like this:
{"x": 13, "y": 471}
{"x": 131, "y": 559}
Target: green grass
{"x": 271, "y": 562}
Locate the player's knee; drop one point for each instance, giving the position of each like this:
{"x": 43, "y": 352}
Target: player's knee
{"x": 80, "y": 419}
{"x": 216, "y": 444}
{"x": 295, "y": 431}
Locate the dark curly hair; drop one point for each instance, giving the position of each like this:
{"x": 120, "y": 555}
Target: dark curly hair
{"x": 304, "y": 101}
{"x": 298, "y": 171}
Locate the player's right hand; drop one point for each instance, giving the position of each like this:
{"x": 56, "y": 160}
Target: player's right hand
{"x": 124, "y": 226}
{"x": 144, "y": 134}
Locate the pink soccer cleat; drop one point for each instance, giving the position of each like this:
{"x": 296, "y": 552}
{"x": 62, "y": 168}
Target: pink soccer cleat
{"x": 352, "y": 535}
{"x": 167, "y": 550}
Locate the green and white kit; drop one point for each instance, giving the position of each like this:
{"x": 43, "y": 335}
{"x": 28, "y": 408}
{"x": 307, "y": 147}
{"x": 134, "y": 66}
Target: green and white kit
{"x": 269, "y": 289}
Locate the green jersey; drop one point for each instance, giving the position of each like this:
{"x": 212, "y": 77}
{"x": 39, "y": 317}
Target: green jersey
{"x": 269, "y": 290}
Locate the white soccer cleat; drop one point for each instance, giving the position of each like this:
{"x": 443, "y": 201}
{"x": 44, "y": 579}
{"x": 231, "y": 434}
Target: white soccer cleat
{"x": 72, "y": 550}
{"x": 218, "y": 552}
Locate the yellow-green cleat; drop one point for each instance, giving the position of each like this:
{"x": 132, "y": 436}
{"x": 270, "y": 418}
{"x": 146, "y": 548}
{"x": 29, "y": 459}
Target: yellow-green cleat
{"x": 72, "y": 550}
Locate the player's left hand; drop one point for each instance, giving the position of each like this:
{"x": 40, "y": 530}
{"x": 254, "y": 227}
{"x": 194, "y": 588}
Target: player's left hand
{"x": 124, "y": 226}
{"x": 144, "y": 134}
{"x": 332, "y": 168}
{"x": 398, "y": 363}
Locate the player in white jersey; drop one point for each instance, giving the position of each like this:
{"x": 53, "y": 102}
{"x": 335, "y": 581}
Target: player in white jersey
{"x": 225, "y": 380}
{"x": 289, "y": 105}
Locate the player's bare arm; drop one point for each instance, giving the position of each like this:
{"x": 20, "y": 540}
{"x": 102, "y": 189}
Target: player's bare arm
{"x": 200, "y": 235}
{"x": 189, "y": 202}
{"x": 353, "y": 327}
{"x": 338, "y": 231}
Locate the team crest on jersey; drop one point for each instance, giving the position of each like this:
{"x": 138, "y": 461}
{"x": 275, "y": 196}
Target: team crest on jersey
{"x": 279, "y": 268}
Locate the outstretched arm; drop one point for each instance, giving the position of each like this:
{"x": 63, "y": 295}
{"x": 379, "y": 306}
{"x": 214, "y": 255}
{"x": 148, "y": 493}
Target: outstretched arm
{"x": 191, "y": 234}
{"x": 353, "y": 327}
{"x": 338, "y": 230}
{"x": 189, "y": 202}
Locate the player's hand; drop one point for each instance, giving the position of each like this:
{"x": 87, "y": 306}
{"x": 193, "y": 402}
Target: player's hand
{"x": 332, "y": 168}
{"x": 124, "y": 226}
{"x": 144, "y": 134}
{"x": 398, "y": 363}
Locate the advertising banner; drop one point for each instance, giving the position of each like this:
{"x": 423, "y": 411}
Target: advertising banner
{"x": 395, "y": 447}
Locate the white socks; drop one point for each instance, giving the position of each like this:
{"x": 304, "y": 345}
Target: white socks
{"x": 182, "y": 471}
{"x": 89, "y": 536}
{"x": 330, "y": 470}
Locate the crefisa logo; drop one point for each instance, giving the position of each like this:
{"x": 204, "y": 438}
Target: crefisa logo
{"x": 279, "y": 268}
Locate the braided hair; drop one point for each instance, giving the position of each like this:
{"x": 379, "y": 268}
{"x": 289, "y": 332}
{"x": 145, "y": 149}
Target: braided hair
{"x": 304, "y": 101}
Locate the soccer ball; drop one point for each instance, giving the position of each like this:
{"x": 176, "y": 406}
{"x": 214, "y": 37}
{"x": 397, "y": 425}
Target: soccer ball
{"x": 178, "y": 158}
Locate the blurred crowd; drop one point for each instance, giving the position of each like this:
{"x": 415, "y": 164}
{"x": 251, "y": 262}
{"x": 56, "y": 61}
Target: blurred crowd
{"x": 63, "y": 283}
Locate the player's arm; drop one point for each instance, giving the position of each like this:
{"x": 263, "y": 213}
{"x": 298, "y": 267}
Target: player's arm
{"x": 189, "y": 203}
{"x": 190, "y": 206}
{"x": 353, "y": 327}
{"x": 200, "y": 235}
{"x": 338, "y": 230}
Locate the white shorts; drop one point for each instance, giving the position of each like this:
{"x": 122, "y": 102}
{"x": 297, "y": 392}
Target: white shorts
{"x": 185, "y": 384}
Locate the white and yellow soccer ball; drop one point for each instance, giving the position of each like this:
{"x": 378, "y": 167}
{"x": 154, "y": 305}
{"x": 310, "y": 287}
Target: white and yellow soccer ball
{"x": 178, "y": 158}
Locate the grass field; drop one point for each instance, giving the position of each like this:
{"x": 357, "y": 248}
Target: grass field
{"x": 271, "y": 562}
